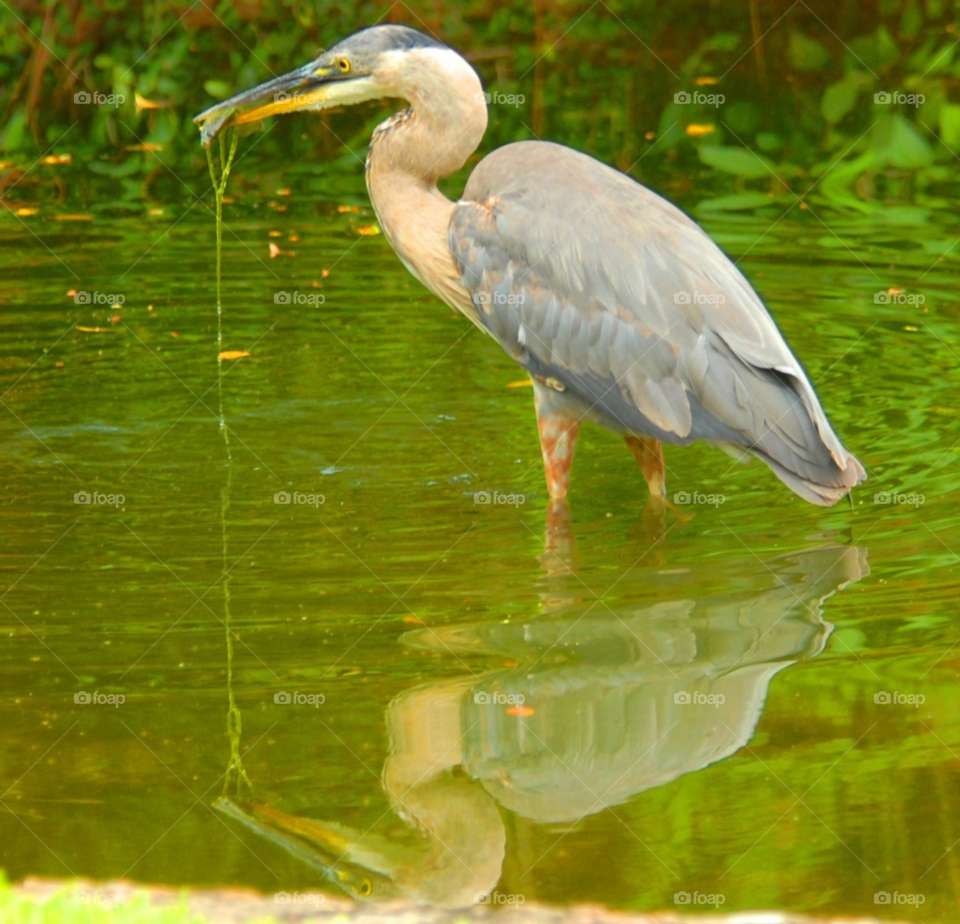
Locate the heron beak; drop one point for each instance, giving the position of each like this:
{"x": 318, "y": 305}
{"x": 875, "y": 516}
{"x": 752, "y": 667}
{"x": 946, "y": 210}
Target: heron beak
{"x": 352, "y": 860}
{"x": 309, "y": 87}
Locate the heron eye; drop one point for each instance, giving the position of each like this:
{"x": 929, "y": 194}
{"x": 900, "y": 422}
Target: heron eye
{"x": 343, "y": 65}
{"x": 365, "y": 887}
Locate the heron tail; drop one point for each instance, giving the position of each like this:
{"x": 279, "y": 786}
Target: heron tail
{"x": 826, "y": 486}
{"x": 799, "y": 445}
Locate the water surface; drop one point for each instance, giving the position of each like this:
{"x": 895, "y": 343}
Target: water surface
{"x": 401, "y": 601}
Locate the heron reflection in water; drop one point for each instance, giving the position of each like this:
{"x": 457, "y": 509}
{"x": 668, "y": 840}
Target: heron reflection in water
{"x": 609, "y": 721}
{"x": 619, "y": 306}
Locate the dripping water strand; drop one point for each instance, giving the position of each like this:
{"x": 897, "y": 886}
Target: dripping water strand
{"x": 235, "y": 773}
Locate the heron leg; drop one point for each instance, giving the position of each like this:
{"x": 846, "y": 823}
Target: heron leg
{"x": 559, "y": 427}
{"x": 649, "y": 455}
{"x": 559, "y": 556}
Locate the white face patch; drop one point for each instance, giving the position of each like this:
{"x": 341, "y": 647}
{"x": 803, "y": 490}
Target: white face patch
{"x": 343, "y": 93}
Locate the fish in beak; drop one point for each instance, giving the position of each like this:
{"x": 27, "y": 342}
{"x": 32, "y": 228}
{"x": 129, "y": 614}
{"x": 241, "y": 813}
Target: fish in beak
{"x": 363, "y": 865}
{"x": 329, "y": 81}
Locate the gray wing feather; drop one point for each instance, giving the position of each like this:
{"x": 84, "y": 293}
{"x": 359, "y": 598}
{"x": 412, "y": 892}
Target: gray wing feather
{"x": 579, "y": 273}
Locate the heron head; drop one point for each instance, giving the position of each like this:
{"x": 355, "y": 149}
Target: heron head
{"x": 381, "y": 61}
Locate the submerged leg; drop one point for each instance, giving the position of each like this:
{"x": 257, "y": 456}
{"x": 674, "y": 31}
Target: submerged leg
{"x": 559, "y": 557}
{"x": 559, "y": 427}
{"x": 649, "y": 454}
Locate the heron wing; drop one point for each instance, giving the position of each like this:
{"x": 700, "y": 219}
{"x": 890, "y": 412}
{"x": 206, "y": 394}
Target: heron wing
{"x": 586, "y": 276}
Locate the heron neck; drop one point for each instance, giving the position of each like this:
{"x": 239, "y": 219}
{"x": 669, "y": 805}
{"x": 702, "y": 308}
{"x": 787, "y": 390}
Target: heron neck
{"x": 408, "y": 154}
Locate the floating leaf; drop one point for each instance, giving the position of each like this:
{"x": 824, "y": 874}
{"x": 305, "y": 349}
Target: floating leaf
{"x": 72, "y": 217}
{"x": 523, "y": 383}
{"x": 695, "y": 130}
{"x": 521, "y": 711}
{"x": 233, "y": 354}
{"x": 93, "y": 330}
{"x": 368, "y": 230}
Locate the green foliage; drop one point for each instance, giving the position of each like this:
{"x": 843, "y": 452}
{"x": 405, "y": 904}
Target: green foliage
{"x": 738, "y": 161}
{"x": 805, "y": 54}
{"x": 798, "y": 95}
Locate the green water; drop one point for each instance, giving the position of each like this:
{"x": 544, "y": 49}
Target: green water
{"x": 399, "y": 599}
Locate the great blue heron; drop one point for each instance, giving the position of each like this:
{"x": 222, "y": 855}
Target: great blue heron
{"x": 618, "y": 305}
